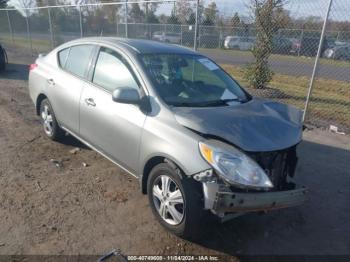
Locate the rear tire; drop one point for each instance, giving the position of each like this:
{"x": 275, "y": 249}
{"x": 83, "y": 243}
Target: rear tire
{"x": 183, "y": 220}
{"x": 48, "y": 119}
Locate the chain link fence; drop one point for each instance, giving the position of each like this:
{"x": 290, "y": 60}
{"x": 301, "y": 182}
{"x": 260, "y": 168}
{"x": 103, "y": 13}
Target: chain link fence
{"x": 308, "y": 42}
{"x": 330, "y": 97}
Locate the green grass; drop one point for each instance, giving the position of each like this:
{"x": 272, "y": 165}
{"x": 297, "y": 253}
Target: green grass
{"x": 330, "y": 98}
{"x": 39, "y": 45}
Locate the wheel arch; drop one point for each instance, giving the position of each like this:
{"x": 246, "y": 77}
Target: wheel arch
{"x": 39, "y": 99}
{"x": 151, "y": 163}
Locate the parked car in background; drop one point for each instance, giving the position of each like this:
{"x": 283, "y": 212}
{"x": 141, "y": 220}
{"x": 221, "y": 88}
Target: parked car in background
{"x": 296, "y": 44}
{"x": 209, "y": 40}
{"x": 281, "y": 45}
{"x": 240, "y": 43}
{"x": 308, "y": 46}
{"x": 338, "y": 52}
{"x": 204, "y": 40}
{"x": 172, "y": 38}
{"x": 194, "y": 138}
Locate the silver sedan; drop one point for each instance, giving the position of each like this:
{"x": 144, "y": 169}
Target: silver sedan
{"x": 172, "y": 118}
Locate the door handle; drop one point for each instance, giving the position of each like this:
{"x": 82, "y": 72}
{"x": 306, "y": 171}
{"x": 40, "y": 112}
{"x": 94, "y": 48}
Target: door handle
{"x": 50, "y": 81}
{"x": 90, "y": 102}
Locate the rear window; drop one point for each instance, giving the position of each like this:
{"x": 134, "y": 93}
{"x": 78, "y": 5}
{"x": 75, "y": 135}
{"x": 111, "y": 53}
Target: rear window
{"x": 75, "y": 59}
{"x": 62, "y": 57}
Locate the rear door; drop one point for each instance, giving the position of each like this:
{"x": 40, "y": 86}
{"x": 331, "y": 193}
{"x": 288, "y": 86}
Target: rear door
{"x": 66, "y": 84}
{"x": 112, "y": 128}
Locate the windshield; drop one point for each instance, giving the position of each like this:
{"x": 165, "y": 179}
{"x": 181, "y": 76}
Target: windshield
{"x": 191, "y": 80}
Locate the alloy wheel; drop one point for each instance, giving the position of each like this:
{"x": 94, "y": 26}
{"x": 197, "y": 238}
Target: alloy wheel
{"x": 46, "y": 116}
{"x": 168, "y": 200}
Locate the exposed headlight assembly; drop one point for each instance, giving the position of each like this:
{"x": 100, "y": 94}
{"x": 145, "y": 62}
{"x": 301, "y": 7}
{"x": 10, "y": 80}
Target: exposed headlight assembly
{"x": 235, "y": 167}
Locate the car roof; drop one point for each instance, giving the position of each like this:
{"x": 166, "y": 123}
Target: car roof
{"x": 138, "y": 45}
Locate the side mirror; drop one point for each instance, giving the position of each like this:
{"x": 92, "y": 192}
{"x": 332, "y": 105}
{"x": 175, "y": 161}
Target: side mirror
{"x": 126, "y": 95}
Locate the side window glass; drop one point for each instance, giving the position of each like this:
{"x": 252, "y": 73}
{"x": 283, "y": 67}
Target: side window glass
{"x": 62, "y": 57}
{"x": 111, "y": 71}
{"x": 78, "y": 59}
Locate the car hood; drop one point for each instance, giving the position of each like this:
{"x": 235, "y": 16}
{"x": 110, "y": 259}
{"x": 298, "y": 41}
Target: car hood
{"x": 256, "y": 126}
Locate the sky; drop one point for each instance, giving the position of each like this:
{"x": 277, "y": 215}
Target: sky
{"x": 298, "y": 8}
{"x": 340, "y": 10}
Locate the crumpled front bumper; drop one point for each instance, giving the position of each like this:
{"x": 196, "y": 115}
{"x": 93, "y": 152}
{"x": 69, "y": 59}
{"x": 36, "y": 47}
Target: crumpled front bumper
{"x": 258, "y": 201}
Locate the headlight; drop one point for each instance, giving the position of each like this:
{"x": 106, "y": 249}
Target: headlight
{"x": 235, "y": 167}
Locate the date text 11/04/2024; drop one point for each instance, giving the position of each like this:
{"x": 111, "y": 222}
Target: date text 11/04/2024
{"x": 173, "y": 258}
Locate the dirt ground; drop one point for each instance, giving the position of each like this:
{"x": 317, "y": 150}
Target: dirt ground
{"x": 77, "y": 209}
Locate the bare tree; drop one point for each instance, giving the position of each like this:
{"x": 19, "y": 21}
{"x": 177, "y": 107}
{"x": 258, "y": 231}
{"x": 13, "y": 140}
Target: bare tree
{"x": 184, "y": 10}
{"x": 23, "y": 5}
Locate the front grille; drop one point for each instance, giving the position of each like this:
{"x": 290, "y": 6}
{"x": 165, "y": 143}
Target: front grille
{"x": 277, "y": 165}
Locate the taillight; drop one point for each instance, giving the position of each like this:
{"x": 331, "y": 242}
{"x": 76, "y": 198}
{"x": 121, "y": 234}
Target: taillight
{"x": 32, "y": 66}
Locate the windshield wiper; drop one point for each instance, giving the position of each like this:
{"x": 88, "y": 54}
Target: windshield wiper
{"x": 241, "y": 100}
{"x": 231, "y": 100}
{"x": 182, "y": 104}
{"x": 221, "y": 102}
{"x": 214, "y": 103}
{"x": 207, "y": 103}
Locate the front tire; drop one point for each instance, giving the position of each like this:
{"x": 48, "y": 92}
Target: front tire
{"x": 48, "y": 119}
{"x": 175, "y": 200}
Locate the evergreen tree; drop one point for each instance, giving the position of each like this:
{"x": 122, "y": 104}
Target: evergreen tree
{"x": 258, "y": 74}
{"x": 210, "y": 14}
{"x": 235, "y": 21}
{"x": 136, "y": 14}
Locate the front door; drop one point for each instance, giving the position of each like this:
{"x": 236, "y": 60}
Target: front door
{"x": 113, "y": 128}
